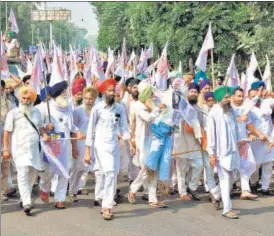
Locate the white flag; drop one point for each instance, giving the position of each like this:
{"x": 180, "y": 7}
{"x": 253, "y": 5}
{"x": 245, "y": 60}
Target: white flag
{"x": 96, "y": 67}
{"x": 267, "y": 75}
{"x": 253, "y": 65}
{"x": 232, "y": 73}
{"x": 150, "y": 51}
{"x": 161, "y": 75}
{"x": 207, "y": 45}
{"x": 13, "y": 22}
{"x": 57, "y": 73}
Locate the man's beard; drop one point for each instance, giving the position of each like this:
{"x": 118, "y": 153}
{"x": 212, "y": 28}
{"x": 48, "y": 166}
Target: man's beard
{"x": 78, "y": 101}
{"x": 227, "y": 107}
{"x": 87, "y": 109}
{"x": 26, "y": 109}
{"x": 62, "y": 101}
{"x": 192, "y": 100}
{"x": 110, "y": 99}
{"x": 135, "y": 95}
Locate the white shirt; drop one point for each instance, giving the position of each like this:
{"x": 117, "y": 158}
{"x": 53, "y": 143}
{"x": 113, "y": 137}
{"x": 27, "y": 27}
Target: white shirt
{"x": 25, "y": 140}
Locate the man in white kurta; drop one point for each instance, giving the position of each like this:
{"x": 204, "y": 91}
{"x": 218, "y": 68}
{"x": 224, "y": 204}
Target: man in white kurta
{"x": 261, "y": 117}
{"x": 244, "y": 125}
{"x": 62, "y": 121}
{"x": 186, "y": 142}
{"x": 22, "y": 125}
{"x": 81, "y": 116}
{"x": 144, "y": 114}
{"x": 106, "y": 120}
{"x": 222, "y": 146}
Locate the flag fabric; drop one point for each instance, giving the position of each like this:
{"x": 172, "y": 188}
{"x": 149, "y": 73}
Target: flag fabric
{"x": 5, "y": 74}
{"x": 161, "y": 75}
{"x": 122, "y": 63}
{"x": 111, "y": 63}
{"x": 253, "y": 65}
{"x": 150, "y": 51}
{"x": 267, "y": 75}
{"x": 13, "y": 22}
{"x": 232, "y": 73}
{"x": 37, "y": 75}
{"x": 244, "y": 83}
{"x": 23, "y": 59}
{"x": 73, "y": 65}
{"x": 54, "y": 155}
{"x": 96, "y": 67}
{"x": 207, "y": 45}
{"x": 57, "y": 73}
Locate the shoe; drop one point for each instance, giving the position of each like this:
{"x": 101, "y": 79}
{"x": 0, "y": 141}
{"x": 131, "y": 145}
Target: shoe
{"x": 60, "y": 205}
{"x": 267, "y": 192}
{"x": 193, "y": 194}
{"x": 231, "y": 215}
{"x": 248, "y": 196}
{"x": 254, "y": 188}
{"x": 4, "y": 198}
{"x": 10, "y": 192}
{"x": 145, "y": 197}
{"x": 44, "y": 196}
{"x": 51, "y": 194}
{"x": 141, "y": 189}
{"x": 98, "y": 203}
{"x": 82, "y": 192}
{"x": 27, "y": 210}
{"x": 73, "y": 198}
{"x": 217, "y": 204}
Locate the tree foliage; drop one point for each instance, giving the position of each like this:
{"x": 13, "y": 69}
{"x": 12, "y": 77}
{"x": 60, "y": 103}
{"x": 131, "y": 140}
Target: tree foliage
{"x": 237, "y": 27}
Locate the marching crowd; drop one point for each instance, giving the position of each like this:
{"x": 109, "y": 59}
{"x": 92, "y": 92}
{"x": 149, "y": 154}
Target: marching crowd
{"x": 131, "y": 131}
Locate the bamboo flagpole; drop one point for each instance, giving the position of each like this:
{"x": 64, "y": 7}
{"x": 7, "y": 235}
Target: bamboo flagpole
{"x": 212, "y": 69}
{"x": 181, "y": 153}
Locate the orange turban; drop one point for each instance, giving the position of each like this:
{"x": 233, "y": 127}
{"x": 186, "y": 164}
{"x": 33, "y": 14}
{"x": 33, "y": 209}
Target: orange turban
{"x": 29, "y": 91}
{"x": 103, "y": 86}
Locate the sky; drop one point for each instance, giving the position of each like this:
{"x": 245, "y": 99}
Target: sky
{"x": 79, "y": 11}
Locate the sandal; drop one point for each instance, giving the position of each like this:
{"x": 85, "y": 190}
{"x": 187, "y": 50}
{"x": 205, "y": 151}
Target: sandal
{"x": 157, "y": 205}
{"x": 107, "y": 214}
{"x": 186, "y": 198}
{"x": 131, "y": 198}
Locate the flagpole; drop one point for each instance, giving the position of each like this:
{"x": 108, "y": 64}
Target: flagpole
{"x": 212, "y": 69}
{"x": 6, "y": 17}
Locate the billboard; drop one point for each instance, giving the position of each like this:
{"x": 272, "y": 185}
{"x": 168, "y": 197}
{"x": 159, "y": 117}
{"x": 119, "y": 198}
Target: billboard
{"x": 51, "y": 15}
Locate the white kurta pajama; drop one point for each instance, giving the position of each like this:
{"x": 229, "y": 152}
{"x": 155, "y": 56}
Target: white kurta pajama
{"x": 191, "y": 162}
{"x": 25, "y": 149}
{"x": 222, "y": 143}
{"x": 102, "y": 134}
{"x": 247, "y": 161}
{"x": 80, "y": 119}
{"x": 209, "y": 181}
{"x": 143, "y": 136}
{"x": 261, "y": 118}
{"x": 62, "y": 119}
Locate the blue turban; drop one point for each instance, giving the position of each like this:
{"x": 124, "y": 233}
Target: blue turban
{"x": 194, "y": 86}
{"x": 257, "y": 85}
{"x": 200, "y": 75}
{"x": 57, "y": 89}
{"x": 204, "y": 83}
{"x": 43, "y": 94}
{"x": 141, "y": 76}
{"x": 209, "y": 95}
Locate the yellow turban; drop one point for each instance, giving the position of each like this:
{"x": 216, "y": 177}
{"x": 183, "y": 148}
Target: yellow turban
{"x": 29, "y": 91}
{"x": 10, "y": 82}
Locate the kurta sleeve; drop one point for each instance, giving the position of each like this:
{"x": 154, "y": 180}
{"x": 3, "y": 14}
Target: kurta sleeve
{"x": 9, "y": 121}
{"x": 76, "y": 117}
{"x": 147, "y": 116}
{"x": 91, "y": 127}
{"x": 211, "y": 136}
{"x": 124, "y": 127}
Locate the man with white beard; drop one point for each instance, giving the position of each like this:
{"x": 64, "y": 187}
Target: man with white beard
{"x": 62, "y": 121}
{"x": 22, "y": 125}
{"x": 81, "y": 116}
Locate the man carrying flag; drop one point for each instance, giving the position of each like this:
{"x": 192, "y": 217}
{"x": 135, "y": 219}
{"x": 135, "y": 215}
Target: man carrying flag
{"x": 62, "y": 119}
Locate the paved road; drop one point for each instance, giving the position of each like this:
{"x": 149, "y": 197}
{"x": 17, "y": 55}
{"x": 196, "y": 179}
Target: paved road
{"x": 194, "y": 218}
